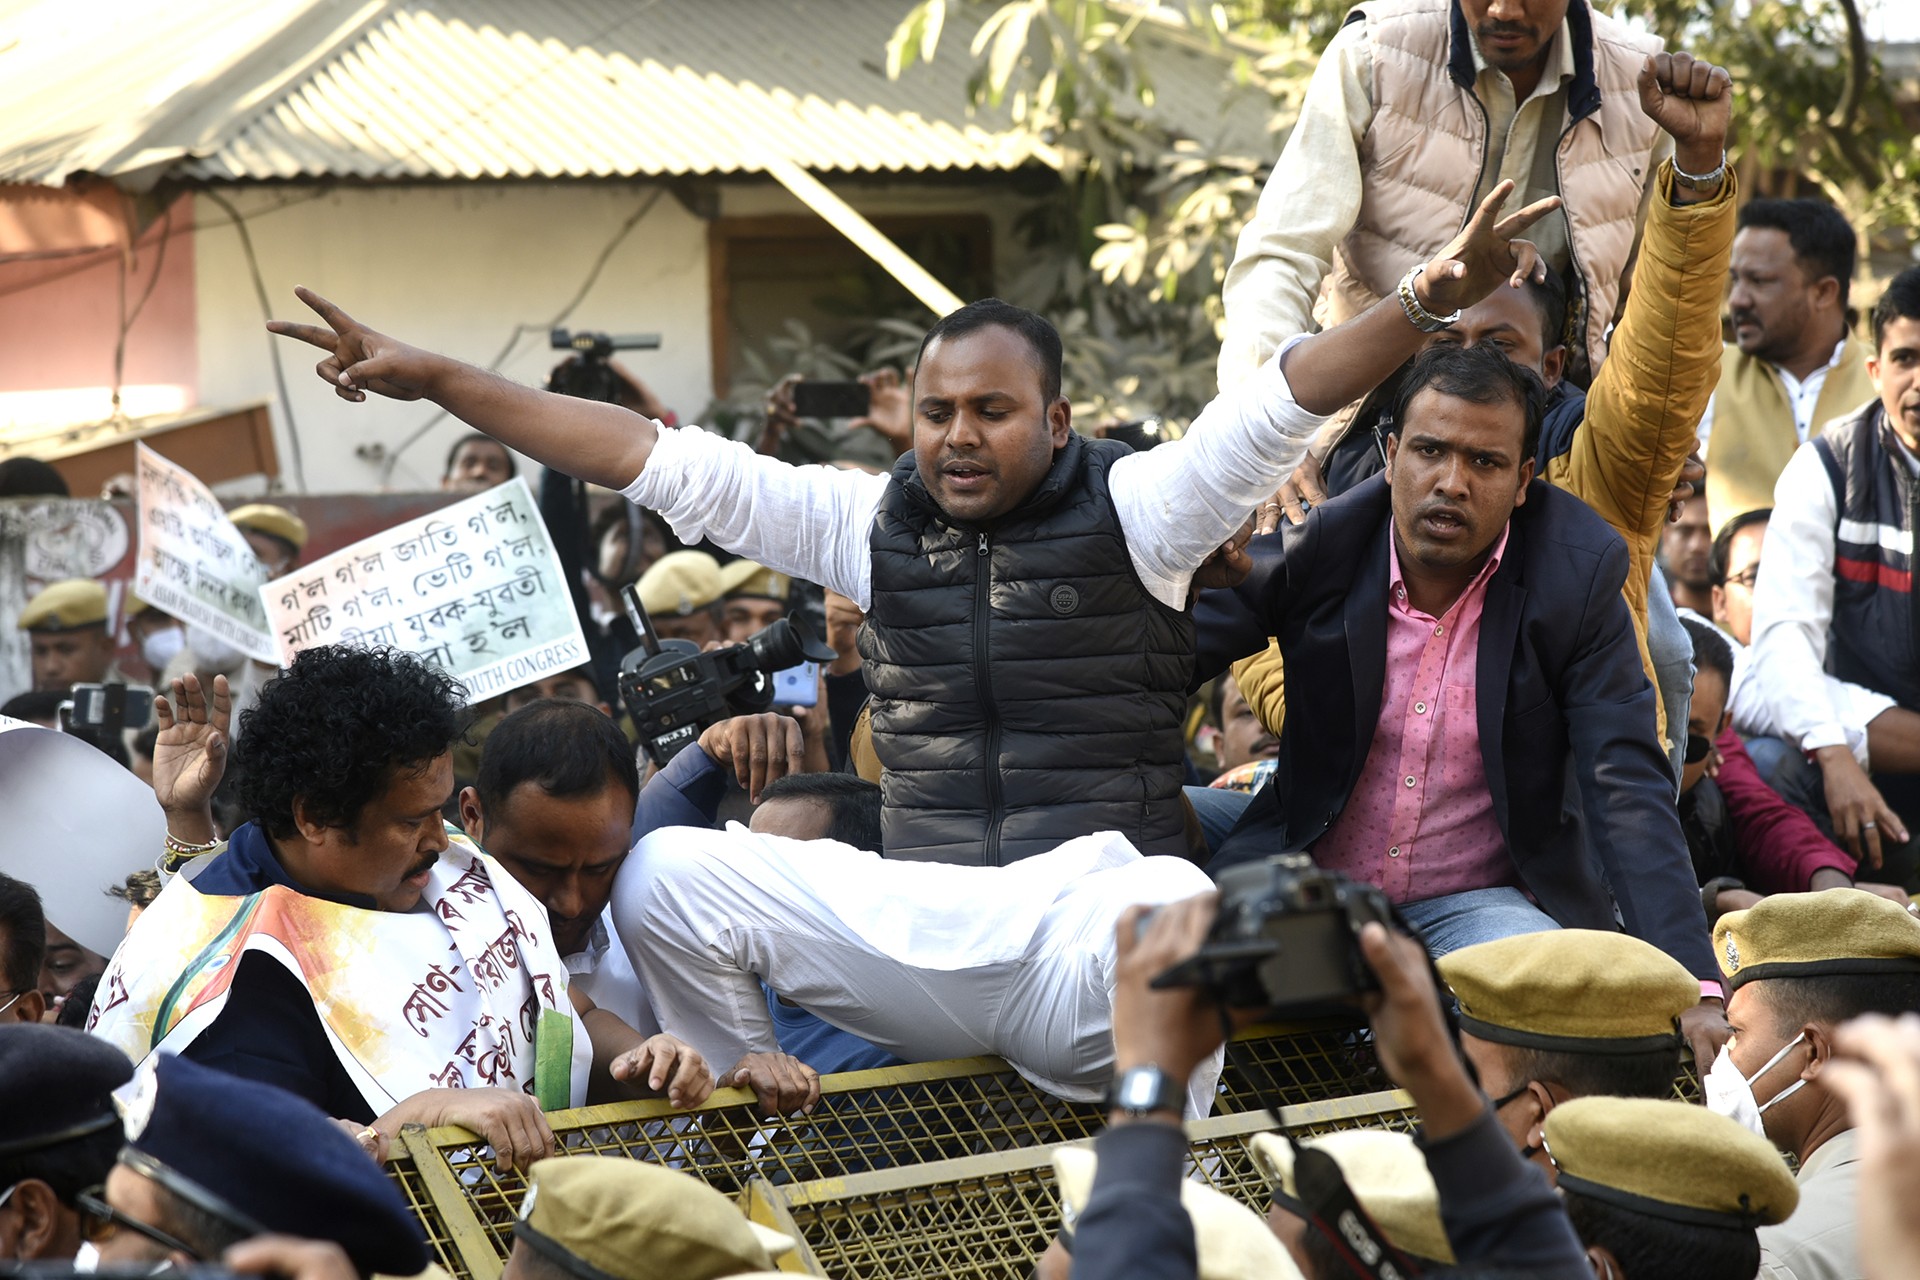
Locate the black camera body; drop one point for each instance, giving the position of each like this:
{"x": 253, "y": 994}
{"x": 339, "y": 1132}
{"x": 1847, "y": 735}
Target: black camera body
{"x": 673, "y": 691}
{"x": 588, "y": 377}
{"x": 1287, "y": 939}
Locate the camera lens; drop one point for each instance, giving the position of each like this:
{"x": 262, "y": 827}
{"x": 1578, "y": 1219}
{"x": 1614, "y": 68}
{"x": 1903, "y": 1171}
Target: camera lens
{"x": 786, "y": 643}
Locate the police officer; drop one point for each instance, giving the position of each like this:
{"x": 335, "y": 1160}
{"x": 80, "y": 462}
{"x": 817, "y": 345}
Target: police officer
{"x": 212, "y": 1160}
{"x": 59, "y": 1134}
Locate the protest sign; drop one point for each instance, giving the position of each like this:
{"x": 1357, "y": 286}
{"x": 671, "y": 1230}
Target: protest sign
{"x": 193, "y": 562}
{"x": 474, "y": 588}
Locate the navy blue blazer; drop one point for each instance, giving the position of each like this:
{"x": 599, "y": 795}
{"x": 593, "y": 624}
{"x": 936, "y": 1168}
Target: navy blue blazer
{"x": 1568, "y": 731}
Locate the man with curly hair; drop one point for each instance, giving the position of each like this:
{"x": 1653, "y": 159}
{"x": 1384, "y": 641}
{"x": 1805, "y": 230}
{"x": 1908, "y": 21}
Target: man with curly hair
{"x": 344, "y": 943}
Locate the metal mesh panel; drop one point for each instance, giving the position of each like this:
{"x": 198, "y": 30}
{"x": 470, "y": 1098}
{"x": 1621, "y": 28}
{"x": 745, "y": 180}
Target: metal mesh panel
{"x": 989, "y": 1216}
{"x": 866, "y": 1122}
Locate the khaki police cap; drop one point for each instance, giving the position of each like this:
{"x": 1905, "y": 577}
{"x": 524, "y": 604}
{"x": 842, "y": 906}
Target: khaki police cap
{"x": 275, "y": 522}
{"x": 745, "y": 578}
{"x": 1669, "y": 1159}
{"x": 680, "y": 583}
{"x": 1386, "y": 1173}
{"x": 1234, "y": 1242}
{"x": 1805, "y": 935}
{"x": 1572, "y": 991}
{"x": 606, "y": 1218}
{"x": 66, "y": 606}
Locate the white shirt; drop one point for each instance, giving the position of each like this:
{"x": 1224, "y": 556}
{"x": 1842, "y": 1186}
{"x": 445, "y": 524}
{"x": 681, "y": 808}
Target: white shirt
{"x": 1177, "y": 503}
{"x": 1856, "y": 705}
{"x": 1793, "y": 611}
{"x": 1802, "y": 396}
{"x": 605, "y": 975}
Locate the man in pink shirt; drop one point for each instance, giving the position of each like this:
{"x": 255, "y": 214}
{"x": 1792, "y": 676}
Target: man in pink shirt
{"x": 1468, "y": 723}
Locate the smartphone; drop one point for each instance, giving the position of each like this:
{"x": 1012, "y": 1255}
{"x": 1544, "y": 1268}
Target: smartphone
{"x": 109, "y": 706}
{"x": 797, "y": 686}
{"x": 831, "y": 399}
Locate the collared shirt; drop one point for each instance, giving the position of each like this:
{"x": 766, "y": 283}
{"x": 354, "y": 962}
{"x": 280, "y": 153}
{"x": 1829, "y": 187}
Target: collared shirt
{"x": 1515, "y": 134}
{"x": 1420, "y": 823}
{"x": 603, "y": 972}
{"x": 1803, "y": 395}
{"x": 1821, "y": 1241}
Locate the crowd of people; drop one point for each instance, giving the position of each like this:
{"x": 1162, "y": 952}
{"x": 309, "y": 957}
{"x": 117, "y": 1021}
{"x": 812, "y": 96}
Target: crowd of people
{"x": 1467, "y": 587}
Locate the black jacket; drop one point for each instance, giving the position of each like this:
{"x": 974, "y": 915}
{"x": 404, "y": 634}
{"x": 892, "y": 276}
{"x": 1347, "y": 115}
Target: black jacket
{"x": 1027, "y": 687}
{"x": 1566, "y": 716}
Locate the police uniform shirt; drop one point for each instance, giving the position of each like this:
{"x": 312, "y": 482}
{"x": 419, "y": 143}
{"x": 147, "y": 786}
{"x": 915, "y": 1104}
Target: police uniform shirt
{"x": 1821, "y": 1241}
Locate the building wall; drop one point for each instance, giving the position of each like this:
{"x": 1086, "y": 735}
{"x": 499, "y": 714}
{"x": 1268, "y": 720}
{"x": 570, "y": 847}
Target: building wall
{"x": 455, "y": 268}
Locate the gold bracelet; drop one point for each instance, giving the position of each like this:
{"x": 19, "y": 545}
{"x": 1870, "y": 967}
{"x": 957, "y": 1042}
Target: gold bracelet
{"x": 186, "y": 850}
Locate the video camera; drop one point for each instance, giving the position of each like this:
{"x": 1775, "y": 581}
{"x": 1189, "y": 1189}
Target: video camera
{"x": 673, "y": 690}
{"x": 1287, "y": 939}
{"x": 589, "y": 377}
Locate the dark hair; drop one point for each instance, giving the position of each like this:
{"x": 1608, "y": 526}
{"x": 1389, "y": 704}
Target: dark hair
{"x": 1650, "y": 1248}
{"x": 208, "y": 1233}
{"x": 75, "y": 1009}
{"x": 1647, "y": 1074}
{"x": 31, "y": 478}
{"x": 473, "y": 437}
{"x": 1723, "y": 542}
{"x": 1549, "y": 296}
{"x": 1901, "y": 301}
{"x": 69, "y": 1167}
{"x": 332, "y": 731}
{"x": 1711, "y": 652}
{"x": 565, "y": 748}
{"x": 36, "y": 704}
{"x": 852, "y": 800}
{"x": 25, "y": 924}
{"x": 1040, "y": 335}
{"x": 1326, "y": 1260}
{"x": 1822, "y": 238}
{"x": 1478, "y": 375}
{"x": 139, "y": 889}
{"x": 1839, "y": 997}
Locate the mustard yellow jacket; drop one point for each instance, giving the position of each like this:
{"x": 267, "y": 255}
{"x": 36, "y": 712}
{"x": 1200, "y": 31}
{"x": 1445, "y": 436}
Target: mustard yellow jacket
{"x": 1642, "y": 409}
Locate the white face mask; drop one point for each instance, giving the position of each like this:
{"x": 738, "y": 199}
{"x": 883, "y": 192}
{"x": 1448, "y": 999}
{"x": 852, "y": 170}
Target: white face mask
{"x": 1731, "y": 1094}
{"x": 160, "y": 647}
{"x": 213, "y": 652}
{"x": 87, "y": 1259}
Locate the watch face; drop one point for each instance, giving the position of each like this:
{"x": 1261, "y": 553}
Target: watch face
{"x": 1142, "y": 1089}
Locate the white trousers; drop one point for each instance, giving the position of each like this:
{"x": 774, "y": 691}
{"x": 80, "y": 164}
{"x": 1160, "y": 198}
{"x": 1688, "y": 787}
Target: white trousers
{"x": 927, "y": 961}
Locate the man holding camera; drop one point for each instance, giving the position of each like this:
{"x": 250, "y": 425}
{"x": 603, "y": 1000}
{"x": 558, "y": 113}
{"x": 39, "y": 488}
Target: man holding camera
{"x": 1027, "y": 638}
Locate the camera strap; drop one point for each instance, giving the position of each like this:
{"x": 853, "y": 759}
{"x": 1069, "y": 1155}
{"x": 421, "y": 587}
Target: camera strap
{"x": 1330, "y": 1207}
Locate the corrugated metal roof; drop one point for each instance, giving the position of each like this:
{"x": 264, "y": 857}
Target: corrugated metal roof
{"x": 239, "y": 90}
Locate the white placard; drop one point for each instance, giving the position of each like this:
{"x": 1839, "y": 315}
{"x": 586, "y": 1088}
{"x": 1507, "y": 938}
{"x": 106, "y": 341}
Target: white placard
{"x": 194, "y": 563}
{"x": 474, "y": 588}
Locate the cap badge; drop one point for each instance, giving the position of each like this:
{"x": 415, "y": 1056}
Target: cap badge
{"x": 1733, "y": 955}
{"x": 134, "y": 1099}
{"x": 526, "y": 1206}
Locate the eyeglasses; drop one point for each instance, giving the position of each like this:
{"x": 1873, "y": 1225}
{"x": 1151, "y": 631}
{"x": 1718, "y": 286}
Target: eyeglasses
{"x": 99, "y": 1220}
{"x": 1746, "y": 577}
{"x": 8, "y": 1194}
{"x": 8, "y": 1005}
{"x": 1699, "y": 747}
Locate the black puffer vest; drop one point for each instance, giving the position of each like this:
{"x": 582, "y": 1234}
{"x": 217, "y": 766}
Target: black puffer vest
{"x": 1026, "y": 687}
{"x": 1871, "y": 640}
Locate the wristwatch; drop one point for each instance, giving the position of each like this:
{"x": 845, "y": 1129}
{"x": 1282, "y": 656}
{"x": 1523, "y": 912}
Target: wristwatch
{"x": 1144, "y": 1089}
{"x": 1417, "y": 315}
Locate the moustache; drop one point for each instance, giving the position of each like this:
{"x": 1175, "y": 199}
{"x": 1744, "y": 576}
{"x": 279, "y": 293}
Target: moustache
{"x": 427, "y": 865}
{"x": 1490, "y": 29}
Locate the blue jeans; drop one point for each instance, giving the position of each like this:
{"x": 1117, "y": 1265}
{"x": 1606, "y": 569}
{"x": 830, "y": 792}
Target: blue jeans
{"x": 1217, "y": 809}
{"x": 1478, "y": 915}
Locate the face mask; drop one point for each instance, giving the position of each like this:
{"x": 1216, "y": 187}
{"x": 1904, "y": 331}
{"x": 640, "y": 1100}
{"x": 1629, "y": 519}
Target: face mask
{"x": 160, "y": 647}
{"x": 1731, "y": 1094}
{"x": 213, "y": 652}
{"x": 87, "y": 1259}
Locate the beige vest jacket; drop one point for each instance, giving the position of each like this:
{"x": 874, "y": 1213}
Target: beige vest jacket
{"x": 1423, "y": 154}
{"x": 1753, "y": 431}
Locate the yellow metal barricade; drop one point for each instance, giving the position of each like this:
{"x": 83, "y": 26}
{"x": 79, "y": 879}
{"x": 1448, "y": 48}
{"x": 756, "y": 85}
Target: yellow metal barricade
{"x": 987, "y": 1217}
{"x": 879, "y": 1123}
